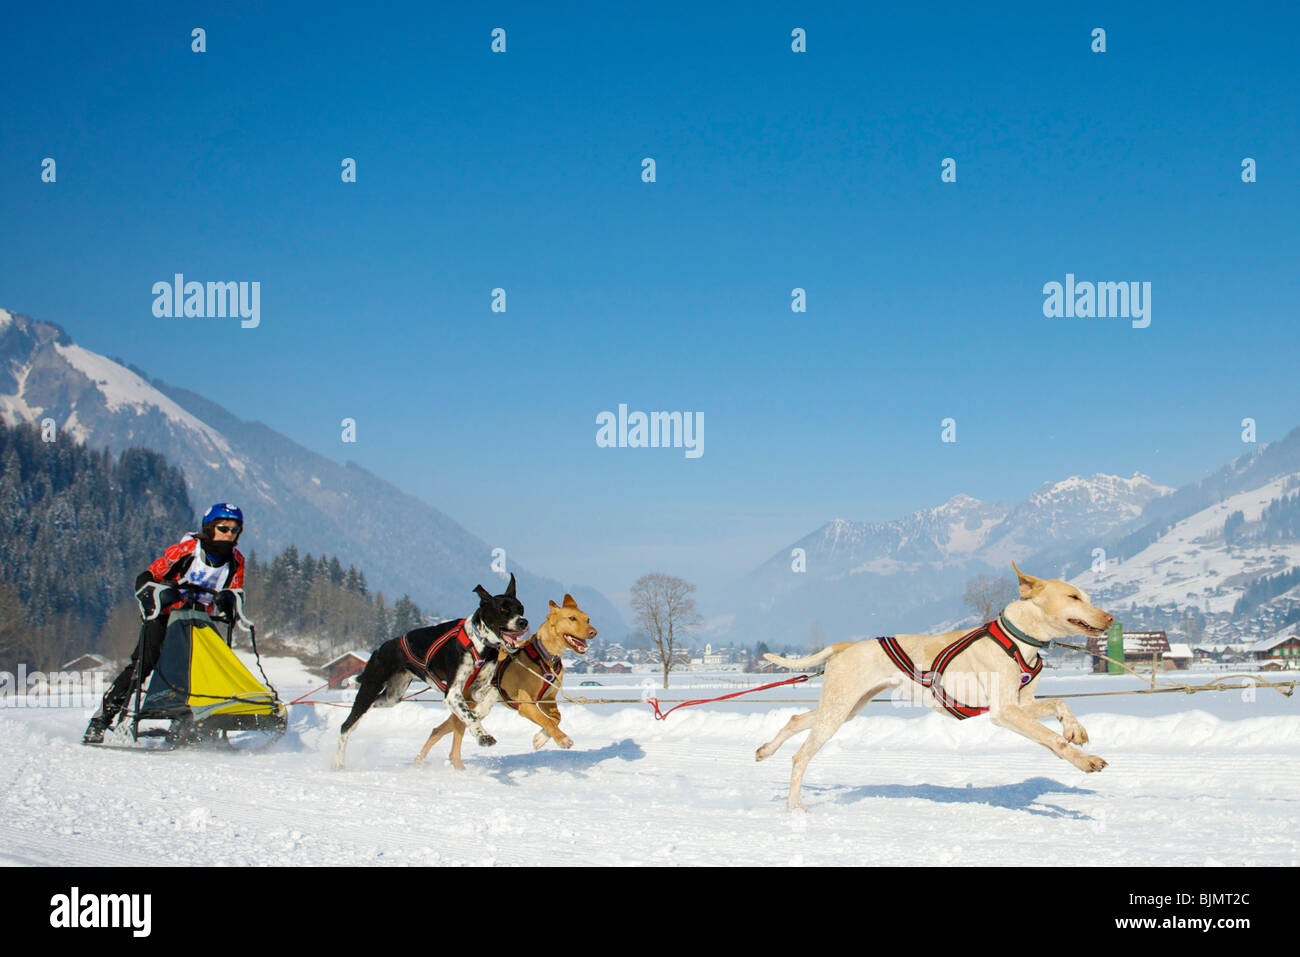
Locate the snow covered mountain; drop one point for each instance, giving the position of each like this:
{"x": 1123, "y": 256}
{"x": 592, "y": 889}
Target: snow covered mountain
{"x": 1158, "y": 556}
{"x": 1194, "y": 564}
{"x": 291, "y": 495}
{"x": 910, "y": 573}
{"x": 1076, "y": 509}
{"x": 1222, "y": 554}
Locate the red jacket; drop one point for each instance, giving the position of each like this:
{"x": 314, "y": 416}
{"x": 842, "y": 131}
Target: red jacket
{"x": 175, "y": 562}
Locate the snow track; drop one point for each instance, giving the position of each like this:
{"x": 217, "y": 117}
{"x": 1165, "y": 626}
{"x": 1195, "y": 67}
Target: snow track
{"x": 894, "y": 786}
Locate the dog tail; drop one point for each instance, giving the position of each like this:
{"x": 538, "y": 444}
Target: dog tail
{"x": 827, "y": 652}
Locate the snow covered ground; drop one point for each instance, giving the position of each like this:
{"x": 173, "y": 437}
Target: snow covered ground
{"x": 1204, "y": 780}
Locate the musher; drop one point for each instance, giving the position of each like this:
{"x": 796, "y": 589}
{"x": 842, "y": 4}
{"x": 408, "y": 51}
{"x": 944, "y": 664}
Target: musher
{"x": 208, "y": 558}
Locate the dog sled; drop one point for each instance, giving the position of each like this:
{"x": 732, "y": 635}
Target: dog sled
{"x": 200, "y": 693}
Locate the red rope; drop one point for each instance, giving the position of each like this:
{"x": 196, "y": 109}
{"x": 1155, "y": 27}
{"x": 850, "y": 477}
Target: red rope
{"x": 345, "y": 674}
{"x": 661, "y": 715}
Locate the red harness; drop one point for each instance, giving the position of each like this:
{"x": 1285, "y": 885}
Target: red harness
{"x": 548, "y": 669}
{"x": 933, "y": 678}
{"x": 460, "y": 635}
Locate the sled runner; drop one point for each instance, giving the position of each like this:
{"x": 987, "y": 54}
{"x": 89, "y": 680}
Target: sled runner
{"x": 199, "y": 690}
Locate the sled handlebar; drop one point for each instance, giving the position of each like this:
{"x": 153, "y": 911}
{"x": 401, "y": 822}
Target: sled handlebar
{"x": 189, "y": 585}
{"x": 230, "y": 617}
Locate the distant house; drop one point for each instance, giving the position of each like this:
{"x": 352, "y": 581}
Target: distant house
{"x": 1180, "y": 655}
{"x": 1140, "y": 648}
{"x": 710, "y": 658}
{"x": 1282, "y": 650}
{"x": 612, "y": 668}
{"x": 86, "y": 662}
{"x": 344, "y": 670}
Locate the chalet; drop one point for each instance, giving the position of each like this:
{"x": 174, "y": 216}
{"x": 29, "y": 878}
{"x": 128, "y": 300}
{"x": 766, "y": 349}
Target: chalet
{"x": 1179, "y": 655}
{"x": 1281, "y": 650}
{"x": 345, "y": 670}
{"x": 86, "y": 662}
{"x": 1140, "y": 648}
{"x": 611, "y": 668}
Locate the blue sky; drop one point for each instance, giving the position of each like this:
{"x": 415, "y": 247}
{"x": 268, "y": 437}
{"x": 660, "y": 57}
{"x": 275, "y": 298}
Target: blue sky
{"x": 775, "y": 170}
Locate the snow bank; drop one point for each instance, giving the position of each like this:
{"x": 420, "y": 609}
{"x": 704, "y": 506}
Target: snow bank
{"x": 1189, "y": 787}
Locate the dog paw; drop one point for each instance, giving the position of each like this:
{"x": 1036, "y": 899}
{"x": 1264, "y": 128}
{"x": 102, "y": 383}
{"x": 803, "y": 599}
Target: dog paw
{"x": 1074, "y": 733}
{"x": 565, "y": 742}
{"x": 762, "y": 753}
{"x": 1090, "y": 763}
{"x": 337, "y": 764}
{"x": 486, "y": 741}
{"x": 540, "y": 739}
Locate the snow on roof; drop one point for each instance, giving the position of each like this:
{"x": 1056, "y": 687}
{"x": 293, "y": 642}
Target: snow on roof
{"x": 1135, "y": 642}
{"x": 1179, "y": 649}
{"x": 97, "y": 661}
{"x": 1269, "y": 642}
{"x": 359, "y": 655}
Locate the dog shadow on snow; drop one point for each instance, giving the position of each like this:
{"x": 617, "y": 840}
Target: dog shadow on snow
{"x": 1025, "y": 796}
{"x": 573, "y": 761}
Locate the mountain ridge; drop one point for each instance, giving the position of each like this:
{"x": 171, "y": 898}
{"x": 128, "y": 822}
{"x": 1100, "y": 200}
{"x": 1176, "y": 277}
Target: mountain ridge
{"x": 290, "y": 494}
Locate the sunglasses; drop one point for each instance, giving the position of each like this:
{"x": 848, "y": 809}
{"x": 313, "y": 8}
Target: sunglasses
{"x": 226, "y": 529}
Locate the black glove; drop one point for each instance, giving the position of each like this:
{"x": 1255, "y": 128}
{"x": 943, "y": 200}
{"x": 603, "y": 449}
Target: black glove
{"x": 152, "y": 597}
{"x": 231, "y": 601}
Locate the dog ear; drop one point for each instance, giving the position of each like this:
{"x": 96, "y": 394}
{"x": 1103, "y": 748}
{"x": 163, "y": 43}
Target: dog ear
{"x": 1028, "y": 583}
{"x": 569, "y": 602}
{"x": 554, "y": 606}
{"x": 510, "y": 589}
{"x": 482, "y": 593}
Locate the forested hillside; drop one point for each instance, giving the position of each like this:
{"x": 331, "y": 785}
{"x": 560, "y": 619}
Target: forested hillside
{"x": 76, "y": 527}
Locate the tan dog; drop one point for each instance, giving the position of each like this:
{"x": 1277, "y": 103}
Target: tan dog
{"x": 532, "y": 676}
{"x": 996, "y": 671}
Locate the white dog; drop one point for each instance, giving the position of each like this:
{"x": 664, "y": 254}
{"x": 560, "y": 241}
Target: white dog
{"x": 993, "y": 669}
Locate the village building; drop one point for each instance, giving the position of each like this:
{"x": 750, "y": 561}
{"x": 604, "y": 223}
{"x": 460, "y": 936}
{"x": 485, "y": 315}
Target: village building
{"x": 1281, "y": 650}
{"x": 345, "y": 670}
{"x": 87, "y": 662}
{"x": 1141, "y": 648}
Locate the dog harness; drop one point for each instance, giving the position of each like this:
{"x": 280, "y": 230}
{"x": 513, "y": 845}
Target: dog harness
{"x": 458, "y": 634}
{"x": 932, "y": 679}
{"x": 548, "y": 669}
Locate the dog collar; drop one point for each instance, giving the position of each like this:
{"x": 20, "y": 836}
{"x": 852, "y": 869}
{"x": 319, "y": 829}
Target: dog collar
{"x": 475, "y": 635}
{"x": 545, "y": 656}
{"x": 1017, "y": 634}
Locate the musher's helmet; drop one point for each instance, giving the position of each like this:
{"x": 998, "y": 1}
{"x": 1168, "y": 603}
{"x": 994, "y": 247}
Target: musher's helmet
{"x": 219, "y": 511}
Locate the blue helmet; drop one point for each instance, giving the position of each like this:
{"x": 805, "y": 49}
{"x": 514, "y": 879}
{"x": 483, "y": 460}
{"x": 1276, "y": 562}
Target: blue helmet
{"x": 223, "y": 510}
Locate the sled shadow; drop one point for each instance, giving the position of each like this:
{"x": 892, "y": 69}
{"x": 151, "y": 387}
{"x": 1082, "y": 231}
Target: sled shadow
{"x": 1024, "y": 796}
{"x": 573, "y": 762}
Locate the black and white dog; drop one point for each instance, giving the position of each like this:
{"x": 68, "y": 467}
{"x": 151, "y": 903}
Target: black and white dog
{"x": 459, "y": 657}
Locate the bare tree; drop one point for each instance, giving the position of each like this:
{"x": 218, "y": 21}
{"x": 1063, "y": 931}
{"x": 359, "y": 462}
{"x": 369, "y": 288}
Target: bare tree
{"x": 816, "y": 637}
{"x": 664, "y": 610}
{"x": 987, "y": 594}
